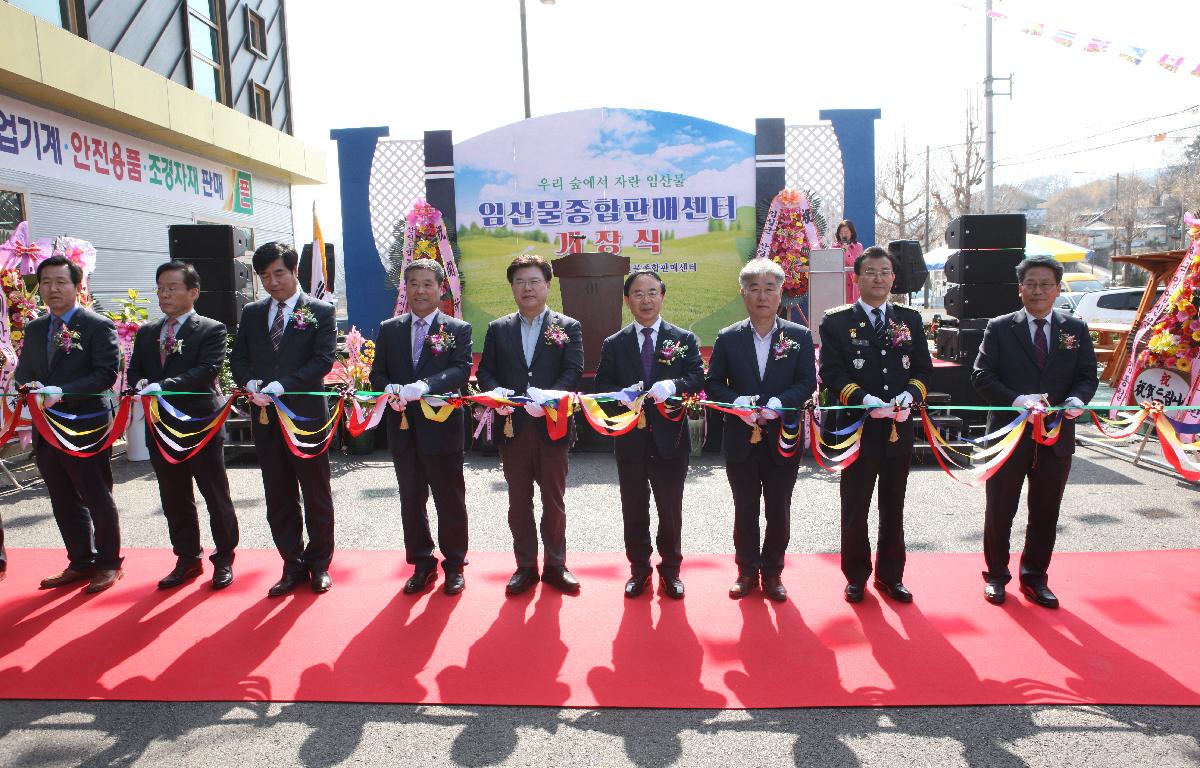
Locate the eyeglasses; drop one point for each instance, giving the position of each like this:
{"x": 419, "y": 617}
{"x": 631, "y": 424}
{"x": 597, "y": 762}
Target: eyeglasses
{"x": 650, "y": 294}
{"x": 1038, "y": 286}
{"x": 167, "y": 290}
{"x": 537, "y": 282}
{"x": 871, "y": 274}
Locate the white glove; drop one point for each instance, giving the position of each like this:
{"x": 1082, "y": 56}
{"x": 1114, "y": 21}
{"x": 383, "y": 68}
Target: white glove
{"x": 662, "y": 390}
{"x": 392, "y": 389}
{"x": 1074, "y": 407}
{"x": 141, "y": 384}
{"x": 880, "y": 408}
{"x": 148, "y": 389}
{"x": 535, "y": 410}
{"x": 746, "y": 401}
{"x": 53, "y": 395}
{"x": 902, "y": 414}
{"x": 251, "y": 386}
{"x": 500, "y": 393}
{"x": 274, "y": 388}
{"x": 1028, "y": 401}
{"x": 904, "y": 399}
{"x": 628, "y": 394}
{"x": 504, "y": 410}
{"x": 545, "y": 395}
{"x": 771, "y": 410}
{"x": 414, "y": 391}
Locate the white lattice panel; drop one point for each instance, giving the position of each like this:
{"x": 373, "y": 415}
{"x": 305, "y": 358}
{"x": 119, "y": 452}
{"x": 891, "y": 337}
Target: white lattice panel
{"x": 397, "y": 181}
{"x": 813, "y": 161}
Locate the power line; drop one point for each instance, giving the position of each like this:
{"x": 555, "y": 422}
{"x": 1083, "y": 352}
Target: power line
{"x": 1096, "y": 135}
{"x": 1093, "y": 149}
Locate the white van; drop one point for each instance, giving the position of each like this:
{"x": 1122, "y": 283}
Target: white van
{"x": 1116, "y": 305}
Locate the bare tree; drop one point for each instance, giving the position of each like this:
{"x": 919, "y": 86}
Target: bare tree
{"x": 966, "y": 168}
{"x": 897, "y": 194}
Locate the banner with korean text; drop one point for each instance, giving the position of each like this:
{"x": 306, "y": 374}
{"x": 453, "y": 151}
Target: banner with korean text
{"x": 44, "y": 143}
{"x": 671, "y": 192}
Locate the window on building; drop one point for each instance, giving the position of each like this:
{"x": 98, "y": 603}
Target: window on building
{"x": 204, "y": 39}
{"x": 61, "y": 13}
{"x": 256, "y": 33}
{"x": 12, "y": 212}
{"x": 262, "y": 104}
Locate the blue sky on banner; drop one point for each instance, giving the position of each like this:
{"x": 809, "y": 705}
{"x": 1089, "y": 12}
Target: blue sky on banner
{"x": 456, "y": 64}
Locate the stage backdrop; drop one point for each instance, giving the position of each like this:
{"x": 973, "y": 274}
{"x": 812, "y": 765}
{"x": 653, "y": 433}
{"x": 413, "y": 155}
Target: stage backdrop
{"x": 671, "y": 192}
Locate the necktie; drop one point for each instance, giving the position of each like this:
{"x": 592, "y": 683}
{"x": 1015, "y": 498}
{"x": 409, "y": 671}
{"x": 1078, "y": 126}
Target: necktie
{"x": 647, "y": 354}
{"x": 418, "y": 341}
{"x": 1040, "y": 349}
{"x": 277, "y": 326}
{"x": 56, "y": 325}
{"x": 880, "y": 328}
{"x": 168, "y": 342}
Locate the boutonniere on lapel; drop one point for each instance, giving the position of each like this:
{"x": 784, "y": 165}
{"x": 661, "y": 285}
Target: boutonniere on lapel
{"x": 556, "y": 336}
{"x": 899, "y": 334}
{"x": 173, "y": 349}
{"x": 67, "y": 340}
{"x": 303, "y": 318}
{"x": 671, "y": 351}
{"x": 784, "y": 346}
{"x": 1068, "y": 341}
{"x": 440, "y": 342}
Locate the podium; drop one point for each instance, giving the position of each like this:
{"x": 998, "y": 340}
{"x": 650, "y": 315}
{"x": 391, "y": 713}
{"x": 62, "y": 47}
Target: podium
{"x": 591, "y": 287}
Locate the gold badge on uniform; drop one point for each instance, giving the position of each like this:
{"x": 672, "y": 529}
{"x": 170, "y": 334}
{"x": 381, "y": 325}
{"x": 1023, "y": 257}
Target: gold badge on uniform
{"x": 905, "y": 362}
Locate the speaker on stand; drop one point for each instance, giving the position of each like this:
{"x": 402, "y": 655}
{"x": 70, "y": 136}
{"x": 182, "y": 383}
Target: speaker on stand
{"x": 218, "y": 252}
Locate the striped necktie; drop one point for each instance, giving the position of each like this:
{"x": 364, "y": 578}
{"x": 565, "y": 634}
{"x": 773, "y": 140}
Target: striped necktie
{"x": 277, "y": 326}
{"x": 880, "y": 326}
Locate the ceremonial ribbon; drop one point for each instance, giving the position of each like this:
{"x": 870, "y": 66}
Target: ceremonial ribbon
{"x": 14, "y": 422}
{"x": 116, "y": 429}
{"x": 611, "y": 426}
{"x": 287, "y": 427}
{"x": 150, "y": 407}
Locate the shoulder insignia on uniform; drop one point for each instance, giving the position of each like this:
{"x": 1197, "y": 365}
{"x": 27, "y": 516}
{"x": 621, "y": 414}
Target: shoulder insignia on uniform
{"x": 841, "y": 308}
{"x": 903, "y": 306}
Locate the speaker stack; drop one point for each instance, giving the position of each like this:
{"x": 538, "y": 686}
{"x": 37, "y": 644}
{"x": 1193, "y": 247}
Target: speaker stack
{"x": 982, "y": 278}
{"x": 226, "y": 281}
{"x": 911, "y": 272}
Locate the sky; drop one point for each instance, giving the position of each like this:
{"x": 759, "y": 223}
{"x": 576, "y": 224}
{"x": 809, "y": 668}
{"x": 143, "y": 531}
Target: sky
{"x": 456, "y": 64}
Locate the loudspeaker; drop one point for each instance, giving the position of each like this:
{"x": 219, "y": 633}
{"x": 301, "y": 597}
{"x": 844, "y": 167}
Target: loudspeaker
{"x": 223, "y": 306}
{"x": 982, "y": 300}
{"x": 223, "y": 275}
{"x": 911, "y": 272}
{"x": 190, "y": 242}
{"x": 981, "y": 231}
{"x": 305, "y": 270}
{"x": 959, "y": 345}
{"x": 983, "y": 266}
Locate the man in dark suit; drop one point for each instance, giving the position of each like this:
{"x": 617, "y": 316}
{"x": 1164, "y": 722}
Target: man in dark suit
{"x": 183, "y": 352}
{"x": 419, "y": 353}
{"x": 1048, "y": 356}
{"x": 651, "y": 353}
{"x": 539, "y": 353}
{"x": 874, "y": 353}
{"x": 285, "y": 343}
{"x": 73, "y": 350}
{"x": 768, "y": 363}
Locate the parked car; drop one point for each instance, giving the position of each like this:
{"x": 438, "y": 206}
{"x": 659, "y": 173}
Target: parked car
{"x": 1081, "y": 282}
{"x": 1067, "y": 301}
{"x": 1116, "y": 305}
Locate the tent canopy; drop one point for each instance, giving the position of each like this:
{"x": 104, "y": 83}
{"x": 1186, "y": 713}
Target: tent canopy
{"x": 1035, "y": 245}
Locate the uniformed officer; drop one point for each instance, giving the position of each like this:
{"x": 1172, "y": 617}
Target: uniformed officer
{"x": 874, "y": 353}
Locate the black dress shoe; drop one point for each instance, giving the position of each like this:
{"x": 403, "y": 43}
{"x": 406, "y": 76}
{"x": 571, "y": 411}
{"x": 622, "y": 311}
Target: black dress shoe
{"x": 455, "y": 583}
{"x": 772, "y": 587}
{"x": 854, "y": 593}
{"x": 1040, "y": 595}
{"x": 636, "y": 585}
{"x": 897, "y": 591}
{"x": 321, "y": 582}
{"x": 222, "y": 576}
{"x": 182, "y": 573}
{"x": 522, "y": 579}
{"x": 289, "y": 582}
{"x": 561, "y": 579}
{"x": 671, "y": 586}
{"x": 994, "y": 593}
{"x": 745, "y": 584}
{"x": 419, "y": 580}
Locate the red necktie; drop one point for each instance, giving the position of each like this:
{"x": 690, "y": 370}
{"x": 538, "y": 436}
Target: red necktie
{"x": 1039, "y": 343}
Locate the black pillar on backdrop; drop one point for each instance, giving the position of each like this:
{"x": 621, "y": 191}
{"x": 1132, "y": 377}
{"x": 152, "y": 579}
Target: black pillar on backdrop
{"x": 768, "y": 168}
{"x": 439, "y": 179}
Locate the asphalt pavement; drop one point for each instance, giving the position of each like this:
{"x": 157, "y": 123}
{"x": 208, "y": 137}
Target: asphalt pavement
{"x": 1110, "y": 505}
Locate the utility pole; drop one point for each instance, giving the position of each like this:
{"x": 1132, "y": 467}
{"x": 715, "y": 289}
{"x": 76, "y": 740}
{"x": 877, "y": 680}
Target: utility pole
{"x": 988, "y": 127}
{"x": 927, "y": 279}
{"x": 525, "y": 56}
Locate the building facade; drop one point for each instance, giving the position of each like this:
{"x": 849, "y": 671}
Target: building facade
{"x": 119, "y": 119}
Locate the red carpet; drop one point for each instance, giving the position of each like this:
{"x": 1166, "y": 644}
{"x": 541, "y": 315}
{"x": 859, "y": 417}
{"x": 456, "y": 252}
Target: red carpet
{"x": 1126, "y": 635}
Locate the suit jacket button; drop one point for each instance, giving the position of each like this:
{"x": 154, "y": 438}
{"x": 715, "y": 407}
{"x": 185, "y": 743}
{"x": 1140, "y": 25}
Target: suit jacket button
{"x": 531, "y": 374}
{"x": 885, "y": 370}
{"x": 883, "y": 352}
{"x": 885, "y": 386}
